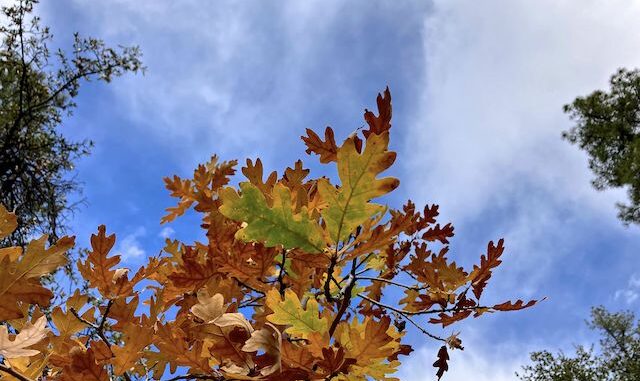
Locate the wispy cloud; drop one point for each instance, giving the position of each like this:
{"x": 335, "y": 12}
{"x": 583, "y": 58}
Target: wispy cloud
{"x": 166, "y": 232}
{"x": 237, "y": 76}
{"x": 631, "y": 293}
{"x": 130, "y": 247}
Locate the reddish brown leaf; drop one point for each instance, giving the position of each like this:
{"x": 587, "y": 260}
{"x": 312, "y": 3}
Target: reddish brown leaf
{"x": 438, "y": 233}
{"x": 327, "y": 149}
{"x": 382, "y": 122}
{"x": 481, "y": 274}
{"x": 510, "y": 306}
{"x": 446, "y": 320}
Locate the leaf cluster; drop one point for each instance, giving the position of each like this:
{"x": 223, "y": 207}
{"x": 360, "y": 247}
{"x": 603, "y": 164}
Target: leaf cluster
{"x": 298, "y": 278}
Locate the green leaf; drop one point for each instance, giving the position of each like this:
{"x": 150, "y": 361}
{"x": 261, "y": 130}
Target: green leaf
{"x": 349, "y": 206}
{"x": 271, "y": 225}
{"x": 289, "y": 312}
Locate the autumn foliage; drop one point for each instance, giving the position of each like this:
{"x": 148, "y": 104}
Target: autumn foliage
{"x": 298, "y": 279}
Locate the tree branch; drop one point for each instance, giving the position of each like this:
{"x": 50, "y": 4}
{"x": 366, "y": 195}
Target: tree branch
{"x": 346, "y": 298}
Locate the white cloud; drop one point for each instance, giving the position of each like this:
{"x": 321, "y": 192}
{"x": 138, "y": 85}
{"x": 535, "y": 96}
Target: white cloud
{"x": 486, "y": 145}
{"x": 130, "y": 247}
{"x": 498, "y": 73}
{"x": 166, "y": 232}
{"x": 480, "y": 361}
{"x": 631, "y": 293}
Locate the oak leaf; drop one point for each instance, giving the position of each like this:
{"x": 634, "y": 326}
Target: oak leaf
{"x": 349, "y": 206}
{"x": 327, "y": 149}
{"x": 299, "y": 321}
{"x": 269, "y": 340}
{"x": 441, "y": 362}
{"x": 8, "y": 222}
{"x": 276, "y": 225}
{"x": 29, "y": 335}
{"x": 511, "y": 306}
{"x": 481, "y": 274}
{"x": 20, "y": 277}
{"x": 382, "y": 122}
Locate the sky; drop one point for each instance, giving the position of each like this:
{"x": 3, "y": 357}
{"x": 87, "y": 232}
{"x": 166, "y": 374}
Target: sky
{"x": 478, "y": 90}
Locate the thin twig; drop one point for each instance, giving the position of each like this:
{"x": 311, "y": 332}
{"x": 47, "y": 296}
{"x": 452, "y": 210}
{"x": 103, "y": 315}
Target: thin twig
{"x": 431, "y": 335}
{"x": 14, "y": 373}
{"x": 421, "y": 312}
{"x": 198, "y": 377}
{"x": 281, "y": 274}
{"x": 241, "y": 283}
{"x": 391, "y": 282}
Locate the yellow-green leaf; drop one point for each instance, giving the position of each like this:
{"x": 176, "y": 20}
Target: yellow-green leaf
{"x": 349, "y": 206}
{"x": 271, "y": 225}
{"x": 301, "y": 321}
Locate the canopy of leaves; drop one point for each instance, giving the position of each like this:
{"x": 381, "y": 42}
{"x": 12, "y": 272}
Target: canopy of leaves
{"x": 608, "y": 129}
{"x": 37, "y": 88}
{"x": 617, "y": 358}
{"x": 287, "y": 283}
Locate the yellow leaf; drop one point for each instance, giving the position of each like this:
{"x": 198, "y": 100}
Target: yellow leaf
{"x": 301, "y": 321}
{"x": 20, "y": 277}
{"x": 39, "y": 261}
{"x": 349, "y": 206}
{"x": 30, "y": 367}
{"x": 136, "y": 339}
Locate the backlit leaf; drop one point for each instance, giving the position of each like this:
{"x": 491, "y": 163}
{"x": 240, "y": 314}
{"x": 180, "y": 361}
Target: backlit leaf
{"x": 273, "y": 225}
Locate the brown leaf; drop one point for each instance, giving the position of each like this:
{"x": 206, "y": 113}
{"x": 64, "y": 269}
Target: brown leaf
{"x": 438, "y": 233}
{"x": 382, "y": 122}
{"x": 481, "y": 274}
{"x": 446, "y": 320}
{"x": 510, "y": 306}
{"x": 327, "y": 149}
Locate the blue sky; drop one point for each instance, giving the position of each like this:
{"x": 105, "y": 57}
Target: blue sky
{"x": 477, "y": 88}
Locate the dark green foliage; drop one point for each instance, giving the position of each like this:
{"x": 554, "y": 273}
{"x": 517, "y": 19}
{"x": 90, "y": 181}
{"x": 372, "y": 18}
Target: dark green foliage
{"x": 608, "y": 129}
{"x": 37, "y": 90}
{"x": 618, "y": 357}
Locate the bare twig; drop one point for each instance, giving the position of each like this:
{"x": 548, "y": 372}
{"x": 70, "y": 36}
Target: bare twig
{"x": 420, "y": 312}
{"x": 198, "y": 377}
{"x": 282, "y": 271}
{"x": 14, "y": 373}
{"x": 391, "y": 282}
